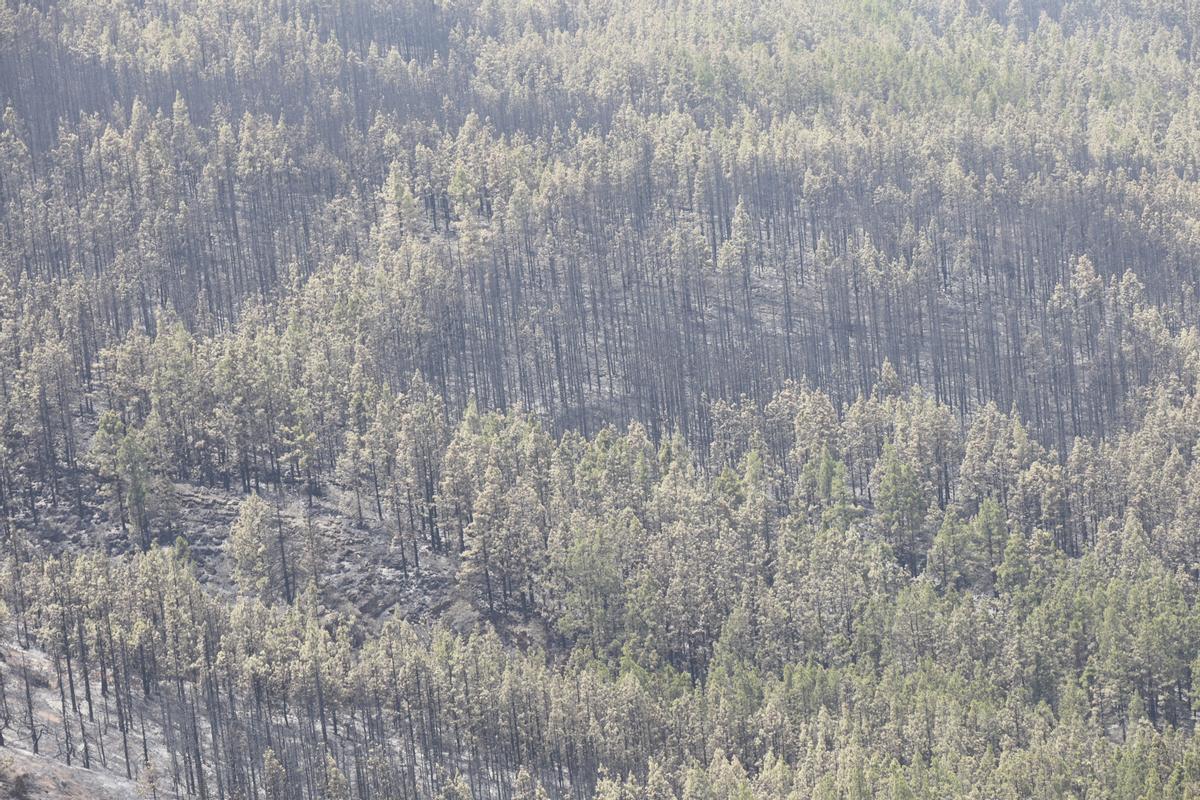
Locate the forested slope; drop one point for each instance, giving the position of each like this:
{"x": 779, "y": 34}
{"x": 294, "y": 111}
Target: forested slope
{"x": 600, "y": 399}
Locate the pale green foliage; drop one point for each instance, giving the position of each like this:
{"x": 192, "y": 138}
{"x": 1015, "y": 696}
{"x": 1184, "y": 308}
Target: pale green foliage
{"x": 683, "y": 400}
{"x": 258, "y": 551}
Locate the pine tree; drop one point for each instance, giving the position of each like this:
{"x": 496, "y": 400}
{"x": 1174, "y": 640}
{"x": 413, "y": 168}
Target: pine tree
{"x": 258, "y": 545}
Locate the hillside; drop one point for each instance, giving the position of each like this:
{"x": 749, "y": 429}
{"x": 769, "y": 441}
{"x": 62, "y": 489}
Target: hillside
{"x": 521, "y": 399}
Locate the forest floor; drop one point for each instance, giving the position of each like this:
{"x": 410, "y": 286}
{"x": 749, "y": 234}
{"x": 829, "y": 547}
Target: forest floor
{"x": 25, "y": 776}
{"x": 361, "y": 569}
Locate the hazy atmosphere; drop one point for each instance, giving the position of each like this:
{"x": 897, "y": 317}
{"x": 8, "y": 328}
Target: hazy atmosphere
{"x": 599, "y": 399}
